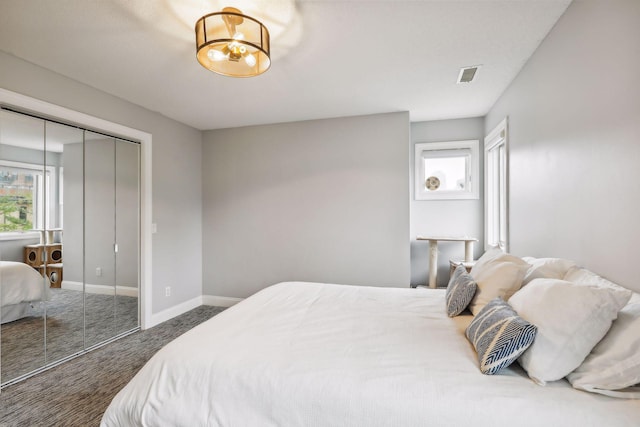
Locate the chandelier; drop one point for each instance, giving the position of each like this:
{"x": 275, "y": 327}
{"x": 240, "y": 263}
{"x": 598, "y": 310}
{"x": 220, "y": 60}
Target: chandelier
{"x": 232, "y": 44}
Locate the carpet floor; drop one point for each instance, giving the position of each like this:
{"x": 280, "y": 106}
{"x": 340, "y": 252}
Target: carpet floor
{"x": 78, "y": 392}
{"x": 23, "y": 341}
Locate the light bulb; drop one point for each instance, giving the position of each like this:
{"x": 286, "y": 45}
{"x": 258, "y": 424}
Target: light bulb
{"x": 216, "y": 55}
{"x": 238, "y": 36}
{"x": 250, "y": 60}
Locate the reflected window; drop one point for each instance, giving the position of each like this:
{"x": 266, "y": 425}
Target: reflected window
{"x": 446, "y": 170}
{"x": 24, "y": 196}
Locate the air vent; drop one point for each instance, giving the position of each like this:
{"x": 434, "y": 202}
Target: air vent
{"x": 468, "y": 74}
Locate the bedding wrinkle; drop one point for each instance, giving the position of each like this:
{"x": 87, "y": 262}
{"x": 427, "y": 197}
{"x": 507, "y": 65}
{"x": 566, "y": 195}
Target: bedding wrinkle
{"x": 308, "y": 354}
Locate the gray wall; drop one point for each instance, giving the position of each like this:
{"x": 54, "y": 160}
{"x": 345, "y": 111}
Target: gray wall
{"x": 126, "y": 211}
{"x": 574, "y": 120}
{"x": 322, "y": 200}
{"x": 444, "y": 217}
{"x": 73, "y": 221}
{"x": 177, "y": 177}
{"x": 28, "y": 155}
{"x": 99, "y": 218}
{"x": 13, "y": 250}
{"x": 110, "y": 189}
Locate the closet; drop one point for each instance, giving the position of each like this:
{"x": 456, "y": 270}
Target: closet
{"x": 69, "y": 241}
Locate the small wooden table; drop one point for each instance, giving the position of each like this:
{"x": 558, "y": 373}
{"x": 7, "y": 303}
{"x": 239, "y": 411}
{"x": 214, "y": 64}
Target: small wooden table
{"x": 433, "y": 253}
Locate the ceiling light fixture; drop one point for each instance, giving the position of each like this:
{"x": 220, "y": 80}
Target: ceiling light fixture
{"x": 232, "y": 44}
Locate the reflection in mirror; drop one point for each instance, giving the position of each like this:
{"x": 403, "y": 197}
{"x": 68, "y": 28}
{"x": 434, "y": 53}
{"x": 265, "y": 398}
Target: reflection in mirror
{"x": 64, "y": 310}
{"x": 99, "y": 238}
{"x": 69, "y": 241}
{"x": 23, "y": 197}
{"x": 127, "y": 234}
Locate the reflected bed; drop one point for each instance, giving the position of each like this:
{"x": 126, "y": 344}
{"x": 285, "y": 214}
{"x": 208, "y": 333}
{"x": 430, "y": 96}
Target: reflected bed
{"x": 20, "y": 286}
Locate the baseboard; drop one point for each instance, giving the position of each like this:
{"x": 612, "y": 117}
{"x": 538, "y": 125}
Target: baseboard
{"x": 220, "y": 301}
{"x": 162, "y": 316}
{"x": 174, "y": 311}
{"x": 128, "y": 291}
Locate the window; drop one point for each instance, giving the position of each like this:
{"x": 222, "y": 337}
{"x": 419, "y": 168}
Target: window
{"x": 496, "y": 187}
{"x": 447, "y": 170}
{"x": 25, "y": 196}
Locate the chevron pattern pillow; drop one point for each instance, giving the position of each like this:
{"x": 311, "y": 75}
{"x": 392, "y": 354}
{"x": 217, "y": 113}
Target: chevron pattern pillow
{"x": 460, "y": 291}
{"x": 499, "y": 336}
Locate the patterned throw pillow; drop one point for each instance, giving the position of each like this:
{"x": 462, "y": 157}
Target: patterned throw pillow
{"x": 499, "y": 336}
{"x": 460, "y": 291}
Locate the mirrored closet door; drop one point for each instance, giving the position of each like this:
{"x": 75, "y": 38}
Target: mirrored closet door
{"x": 69, "y": 241}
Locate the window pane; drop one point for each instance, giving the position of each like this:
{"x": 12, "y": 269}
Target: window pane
{"x": 446, "y": 173}
{"x": 447, "y": 170}
{"x": 16, "y": 200}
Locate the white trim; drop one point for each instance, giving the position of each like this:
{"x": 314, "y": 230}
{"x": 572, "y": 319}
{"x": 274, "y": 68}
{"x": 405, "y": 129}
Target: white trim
{"x": 174, "y": 311}
{"x": 24, "y": 165}
{"x": 498, "y": 136}
{"x": 20, "y": 235}
{"x": 127, "y": 291}
{"x": 220, "y": 301}
{"x": 10, "y": 98}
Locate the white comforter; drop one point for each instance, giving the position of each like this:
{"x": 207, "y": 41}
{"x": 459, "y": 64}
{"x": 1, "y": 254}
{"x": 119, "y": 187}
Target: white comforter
{"x": 308, "y": 354}
{"x": 20, "y": 283}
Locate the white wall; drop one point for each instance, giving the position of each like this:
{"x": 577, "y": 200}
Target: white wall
{"x": 322, "y": 200}
{"x": 444, "y": 217}
{"x": 177, "y": 178}
{"x": 574, "y": 120}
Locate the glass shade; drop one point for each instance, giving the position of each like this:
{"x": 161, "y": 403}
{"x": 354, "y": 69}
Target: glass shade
{"x": 232, "y": 44}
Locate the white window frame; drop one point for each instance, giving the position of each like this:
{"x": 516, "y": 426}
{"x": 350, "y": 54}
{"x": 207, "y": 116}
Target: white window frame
{"x": 431, "y": 149}
{"x": 496, "y": 187}
{"x": 40, "y": 217}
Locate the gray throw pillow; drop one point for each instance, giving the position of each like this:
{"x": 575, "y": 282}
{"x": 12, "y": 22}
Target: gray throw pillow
{"x": 460, "y": 291}
{"x": 499, "y": 336}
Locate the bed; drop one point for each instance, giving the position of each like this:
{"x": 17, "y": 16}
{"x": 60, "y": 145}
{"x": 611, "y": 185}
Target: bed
{"x": 20, "y": 287}
{"x": 312, "y": 354}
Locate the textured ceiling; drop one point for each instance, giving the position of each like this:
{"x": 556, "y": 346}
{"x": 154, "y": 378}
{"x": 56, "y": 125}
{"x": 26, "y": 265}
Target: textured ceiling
{"x": 337, "y": 58}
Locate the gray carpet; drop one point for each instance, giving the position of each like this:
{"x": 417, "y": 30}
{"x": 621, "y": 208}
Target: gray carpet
{"x": 23, "y": 341}
{"x": 78, "y": 392}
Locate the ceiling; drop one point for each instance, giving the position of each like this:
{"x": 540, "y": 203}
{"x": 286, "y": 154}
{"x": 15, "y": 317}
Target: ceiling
{"x": 334, "y": 58}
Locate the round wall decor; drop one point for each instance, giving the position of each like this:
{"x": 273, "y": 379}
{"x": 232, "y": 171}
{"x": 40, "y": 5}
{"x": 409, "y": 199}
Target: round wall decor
{"x": 432, "y": 183}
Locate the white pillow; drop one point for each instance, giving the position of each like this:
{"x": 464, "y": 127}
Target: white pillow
{"x": 489, "y": 255}
{"x": 571, "y": 319}
{"x": 546, "y": 268}
{"x": 497, "y": 274}
{"x": 614, "y": 363}
{"x": 582, "y": 276}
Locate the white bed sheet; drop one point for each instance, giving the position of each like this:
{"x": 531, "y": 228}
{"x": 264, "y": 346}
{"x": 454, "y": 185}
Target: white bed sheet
{"x": 20, "y": 283}
{"x": 309, "y": 354}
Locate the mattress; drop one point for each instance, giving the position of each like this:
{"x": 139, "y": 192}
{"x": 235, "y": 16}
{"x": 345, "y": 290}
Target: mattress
{"x": 310, "y": 354}
{"x": 9, "y": 313}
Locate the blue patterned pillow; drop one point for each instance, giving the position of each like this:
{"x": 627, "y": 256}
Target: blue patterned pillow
{"x": 460, "y": 291}
{"x": 499, "y": 336}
